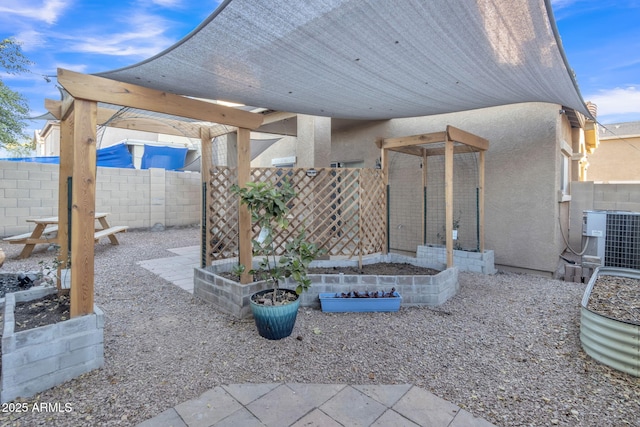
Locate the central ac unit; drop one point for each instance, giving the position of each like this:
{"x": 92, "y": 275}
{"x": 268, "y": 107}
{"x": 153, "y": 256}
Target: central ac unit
{"x": 612, "y": 239}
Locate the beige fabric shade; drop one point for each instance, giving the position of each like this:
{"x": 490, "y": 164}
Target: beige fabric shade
{"x": 375, "y": 59}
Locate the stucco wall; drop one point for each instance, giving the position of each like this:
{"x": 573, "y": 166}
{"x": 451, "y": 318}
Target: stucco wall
{"x": 137, "y": 198}
{"x": 522, "y": 174}
{"x": 615, "y": 160}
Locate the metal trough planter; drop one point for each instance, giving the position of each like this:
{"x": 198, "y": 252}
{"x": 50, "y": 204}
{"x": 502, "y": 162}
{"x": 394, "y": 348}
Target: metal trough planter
{"x": 615, "y": 343}
{"x": 331, "y": 303}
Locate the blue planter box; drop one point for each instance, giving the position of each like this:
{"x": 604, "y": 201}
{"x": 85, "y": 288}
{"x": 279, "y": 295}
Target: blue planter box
{"x": 330, "y": 303}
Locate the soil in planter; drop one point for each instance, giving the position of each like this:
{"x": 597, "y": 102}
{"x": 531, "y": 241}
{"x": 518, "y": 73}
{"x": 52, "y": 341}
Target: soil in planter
{"x": 41, "y": 312}
{"x": 616, "y": 297}
{"x": 282, "y": 298}
{"x": 378, "y": 269}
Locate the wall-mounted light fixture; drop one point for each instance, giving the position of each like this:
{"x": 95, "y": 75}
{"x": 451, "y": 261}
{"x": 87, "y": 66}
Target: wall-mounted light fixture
{"x": 311, "y": 172}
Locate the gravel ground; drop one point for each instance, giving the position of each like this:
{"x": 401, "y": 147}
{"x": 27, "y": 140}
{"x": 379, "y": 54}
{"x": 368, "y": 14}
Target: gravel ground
{"x": 506, "y": 348}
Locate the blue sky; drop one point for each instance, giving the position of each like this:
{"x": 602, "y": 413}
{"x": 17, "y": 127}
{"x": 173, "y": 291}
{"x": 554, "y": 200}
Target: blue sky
{"x": 601, "y": 39}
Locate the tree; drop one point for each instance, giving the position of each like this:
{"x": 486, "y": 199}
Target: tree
{"x": 14, "y": 107}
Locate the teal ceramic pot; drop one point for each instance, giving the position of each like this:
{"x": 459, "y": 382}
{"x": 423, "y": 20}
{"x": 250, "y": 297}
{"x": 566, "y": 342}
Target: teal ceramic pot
{"x": 274, "y": 322}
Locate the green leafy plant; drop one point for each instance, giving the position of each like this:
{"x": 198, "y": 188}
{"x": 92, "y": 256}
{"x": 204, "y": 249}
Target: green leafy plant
{"x": 238, "y": 270}
{"x": 269, "y": 207}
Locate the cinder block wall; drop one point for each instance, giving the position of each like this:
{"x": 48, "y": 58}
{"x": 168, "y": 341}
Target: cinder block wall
{"x": 591, "y": 196}
{"x": 137, "y": 198}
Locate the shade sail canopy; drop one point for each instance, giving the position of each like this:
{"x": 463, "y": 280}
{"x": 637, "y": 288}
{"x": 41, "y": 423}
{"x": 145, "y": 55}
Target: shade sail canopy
{"x": 377, "y": 59}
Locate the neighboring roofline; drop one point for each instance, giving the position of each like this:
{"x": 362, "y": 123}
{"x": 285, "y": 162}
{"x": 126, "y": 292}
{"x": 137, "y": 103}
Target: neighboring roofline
{"x": 610, "y": 137}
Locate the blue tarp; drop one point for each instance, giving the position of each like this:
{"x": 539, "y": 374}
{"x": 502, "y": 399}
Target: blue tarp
{"x": 168, "y": 158}
{"x": 115, "y": 156}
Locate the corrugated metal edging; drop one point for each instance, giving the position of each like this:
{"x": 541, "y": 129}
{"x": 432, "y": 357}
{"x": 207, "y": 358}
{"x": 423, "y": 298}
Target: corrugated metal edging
{"x": 612, "y": 342}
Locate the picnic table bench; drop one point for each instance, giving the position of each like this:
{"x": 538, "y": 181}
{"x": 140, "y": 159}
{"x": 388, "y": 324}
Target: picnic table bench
{"x": 45, "y": 227}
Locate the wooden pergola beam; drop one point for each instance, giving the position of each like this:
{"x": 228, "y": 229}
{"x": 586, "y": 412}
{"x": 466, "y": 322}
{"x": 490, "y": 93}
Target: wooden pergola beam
{"x": 457, "y": 149}
{"x": 458, "y": 135}
{"x": 93, "y": 88}
{"x": 451, "y": 134}
{"x": 154, "y": 126}
{"x": 412, "y": 151}
{"x": 426, "y": 138}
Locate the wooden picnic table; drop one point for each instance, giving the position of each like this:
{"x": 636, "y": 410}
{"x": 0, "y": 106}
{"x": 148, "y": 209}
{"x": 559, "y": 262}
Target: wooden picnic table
{"x": 45, "y": 227}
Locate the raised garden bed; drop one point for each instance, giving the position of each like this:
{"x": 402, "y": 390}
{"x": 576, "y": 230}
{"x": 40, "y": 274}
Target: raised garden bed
{"x": 610, "y": 318}
{"x": 430, "y": 289}
{"x": 36, "y": 359}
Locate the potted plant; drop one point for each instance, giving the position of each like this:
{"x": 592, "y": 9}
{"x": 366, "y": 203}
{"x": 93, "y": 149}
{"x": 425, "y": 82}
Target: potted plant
{"x": 275, "y": 310}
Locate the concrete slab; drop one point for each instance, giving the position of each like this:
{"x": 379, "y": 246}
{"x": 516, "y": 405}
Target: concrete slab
{"x": 242, "y": 418}
{"x": 168, "y": 418}
{"x": 208, "y": 409}
{"x": 425, "y": 408}
{"x": 280, "y": 407}
{"x": 351, "y": 407}
{"x": 392, "y": 418}
{"x": 247, "y": 393}
{"x": 316, "y": 418}
{"x": 388, "y": 395}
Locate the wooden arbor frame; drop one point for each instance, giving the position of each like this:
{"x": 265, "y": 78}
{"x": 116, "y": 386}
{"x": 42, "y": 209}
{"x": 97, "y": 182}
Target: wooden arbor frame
{"x": 418, "y": 145}
{"x": 79, "y": 116}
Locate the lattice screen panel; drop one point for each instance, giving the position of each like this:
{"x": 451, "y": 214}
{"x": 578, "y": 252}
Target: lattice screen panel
{"x": 341, "y": 210}
{"x": 223, "y": 213}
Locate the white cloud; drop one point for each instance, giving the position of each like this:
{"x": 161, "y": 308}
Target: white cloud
{"x": 31, "y": 40}
{"x": 168, "y": 3}
{"x": 145, "y": 38}
{"x": 616, "y": 101}
{"x": 561, "y": 4}
{"x": 45, "y": 11}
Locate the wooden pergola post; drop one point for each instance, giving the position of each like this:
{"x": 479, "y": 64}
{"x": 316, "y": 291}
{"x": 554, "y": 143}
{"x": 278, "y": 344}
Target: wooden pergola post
{"x": 206, "y": 156}
{"x": 384, "y": 165}
{"x": 448, "y": 196}
{"x": 245, "y": 248}
{"x": 83, "y": 206}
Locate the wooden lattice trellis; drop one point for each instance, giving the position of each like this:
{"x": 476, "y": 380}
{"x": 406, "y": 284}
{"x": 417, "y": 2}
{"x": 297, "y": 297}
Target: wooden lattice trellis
{"x": 341, "y": 210}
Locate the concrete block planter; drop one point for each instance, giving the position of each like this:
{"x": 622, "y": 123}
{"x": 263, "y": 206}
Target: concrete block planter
{"x": 233, "y": 298}
{"x": 37, "y": 359}
{"x": 474, "y": 262}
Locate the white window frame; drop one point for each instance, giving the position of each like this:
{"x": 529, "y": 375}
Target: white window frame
{"x": 566, "y": 154}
